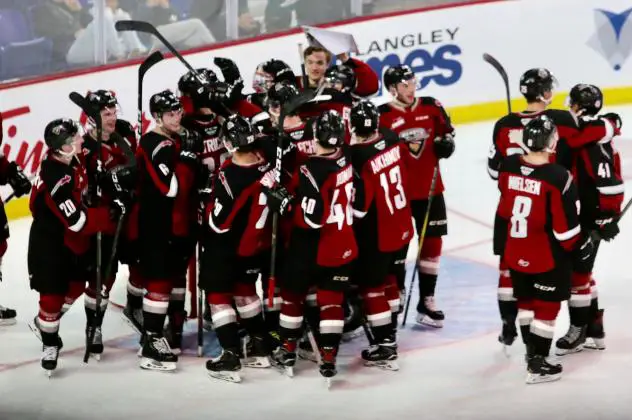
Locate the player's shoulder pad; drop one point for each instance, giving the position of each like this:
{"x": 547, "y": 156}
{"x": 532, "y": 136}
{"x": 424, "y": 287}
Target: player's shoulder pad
{"x": 561, "y": 117}
{"x": 430, "y": 101}
{"x": 558, "y": 176}
{"x": 389, "y": 136}
{"x": 56, "y": 175}
{"x": 511, "y": 163}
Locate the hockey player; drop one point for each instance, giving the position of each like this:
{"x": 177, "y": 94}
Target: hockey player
{"x": 383, "y": 227}
{"x": 10, "y": 173}
{"x": 236, "y": 253}
{"x": 268, "y": 74}
{"x": 537, "y": 86}
{"x": 597, "y": 169}
{"x": 424, "y": 125}
{"x": 540, "y": 202}
{"x": 167, "y": 161}
{"x": 61, "y": 232}
{"x": 318, "y": 60}
{"x": 322, "y": 245}
{"x": 113, "y": 155}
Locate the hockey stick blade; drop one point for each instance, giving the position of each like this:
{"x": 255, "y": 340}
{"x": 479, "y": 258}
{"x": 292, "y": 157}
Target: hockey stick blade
{"x": 149, "y": 62}
{"x": 82, "y": 103}
{"x": 134, "y": 25}
{"x": 503, "y": 74}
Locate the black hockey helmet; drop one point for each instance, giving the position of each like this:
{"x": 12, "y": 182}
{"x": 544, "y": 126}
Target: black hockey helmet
{"x": 237, "y": 134}
{"x": 397, "y": 74}
{"x": 189, "y": 83}
{"x": 540, "y": 134}
{"x": 280, "y": 94}
{"x": 274, "y": 71}
{"x": 60, "y": 132}
{"x": 329, "y": 129}
{"x": 364, "y": 118}
{"x": 588, "y": 98}
{"x": 102, "y": 99}
{"x": 341, "y": 74}
{"x": 535, "y": 82}
{"x": 164, "y": 101}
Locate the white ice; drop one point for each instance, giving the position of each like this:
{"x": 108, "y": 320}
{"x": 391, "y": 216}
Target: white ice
{"x": 458, "y": 372}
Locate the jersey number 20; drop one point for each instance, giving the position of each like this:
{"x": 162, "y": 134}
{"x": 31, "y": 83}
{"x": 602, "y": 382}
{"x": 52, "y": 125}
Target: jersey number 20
{"x": 519, "y": 214}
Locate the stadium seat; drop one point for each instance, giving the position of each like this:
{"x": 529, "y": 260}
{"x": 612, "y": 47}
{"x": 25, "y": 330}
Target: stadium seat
{"x": 14, "y": 27}
{"x": 29, "y": 58}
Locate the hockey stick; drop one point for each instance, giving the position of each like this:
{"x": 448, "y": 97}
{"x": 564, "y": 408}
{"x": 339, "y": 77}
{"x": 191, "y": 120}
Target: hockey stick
{"x": 501, "y": 70}
{"x": 95, "y": 114}
{"x": 201, "y": 306}
{"x": 422, "y": 236}
{"x": 287, "y": 108}
{"x": 149, "y": 62}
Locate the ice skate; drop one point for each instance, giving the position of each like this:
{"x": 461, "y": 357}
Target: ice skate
{"x": 595, "y": 335}
{"x": 96, "y": 347}
{"x": 157, "y": 355}
{"x": 225, "y": 367}
{"x": 428, "y": 314}
{"x": 256, "y": 353}
{"x": 383, "y": 355}
{"x": 174, "y": 338}
{"x": 284, "y": 357}
{"x": 50, "y": 354}
{"x": 572, "y": 342}
{"x": 539, "y": 370}
{"x": 327, "y": 366}
{"x": 306, "y": 352}
{"x": 7, "y": 316}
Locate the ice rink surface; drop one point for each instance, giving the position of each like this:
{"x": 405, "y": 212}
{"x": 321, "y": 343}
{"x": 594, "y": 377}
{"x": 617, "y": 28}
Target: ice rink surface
{"x": 458, "y": 372}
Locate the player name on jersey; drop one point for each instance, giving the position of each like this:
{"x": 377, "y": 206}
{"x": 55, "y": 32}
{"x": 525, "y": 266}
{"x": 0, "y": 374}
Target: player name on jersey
{"x": 344, "y": 176}
{"x": 530, "y": 186}
{"x": 383, "y": 160}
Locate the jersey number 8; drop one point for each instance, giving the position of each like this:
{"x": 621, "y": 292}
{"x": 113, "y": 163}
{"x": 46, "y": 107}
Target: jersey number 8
{"x": 519, "y": 214}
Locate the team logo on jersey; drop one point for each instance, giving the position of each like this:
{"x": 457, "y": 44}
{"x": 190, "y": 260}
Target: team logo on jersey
{"x": 381, "y": 145}
{"x": 414, "y": 135}
{"x": 611, "y": 40}
{"x": 526, "y": 171}
{"x": 523, "y": 263}
{"x": 297, "y": 135}
{"x": 399, "y": 121}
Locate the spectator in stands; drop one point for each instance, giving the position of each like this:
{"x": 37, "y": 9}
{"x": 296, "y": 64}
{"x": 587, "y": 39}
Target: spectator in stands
{"x": 130, "y": 39}
{"x": 213, "y": 14}
{"x": 186, "y": 33}
{"x": 72, "y": 31}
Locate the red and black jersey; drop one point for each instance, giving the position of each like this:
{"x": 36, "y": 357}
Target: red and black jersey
{"x": 507, "y": 137}
{"x": 166, "y": 196}
{"x": 541, "y": 206}
{"x": 323, "y": 216}
{"x": 239, "y": 211}
{"x": 341, "y": 102}
{"x": 208, "y": 127}
{"x": 59, "y": 215}
{"x": 418, "y": 124}
{"x": 597, "y": 168}
{"x": 380, "y": 202}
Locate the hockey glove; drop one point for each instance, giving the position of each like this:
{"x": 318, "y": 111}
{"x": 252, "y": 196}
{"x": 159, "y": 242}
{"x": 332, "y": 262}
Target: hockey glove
{"x": 18, "y": 181}
{"x": 191, "y": 147}
{"x": 587, "y": 248}
{"x": 279, "y": 199}
{"x": 614, "y": 118}
{"x": 120, "y": 180}
{"x": 444, "y": 146}
{"x": 125, "y": 129}
{"x": 229, "y": 69}
{"x": 608, "y": 227}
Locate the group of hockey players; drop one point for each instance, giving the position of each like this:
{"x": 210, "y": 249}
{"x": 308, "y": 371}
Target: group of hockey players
{"x": 318, "y": 199}
{"x": 559, "y": 176}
